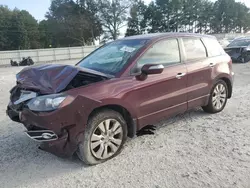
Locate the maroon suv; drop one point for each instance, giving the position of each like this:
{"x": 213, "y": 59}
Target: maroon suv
{"x": 123, "y": 86}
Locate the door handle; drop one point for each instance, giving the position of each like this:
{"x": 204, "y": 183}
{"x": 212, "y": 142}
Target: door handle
{"x": 180, "y": 75}
{"x": 211, "y": 65}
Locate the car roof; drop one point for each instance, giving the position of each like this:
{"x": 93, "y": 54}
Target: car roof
{"x": 153, "y": 36}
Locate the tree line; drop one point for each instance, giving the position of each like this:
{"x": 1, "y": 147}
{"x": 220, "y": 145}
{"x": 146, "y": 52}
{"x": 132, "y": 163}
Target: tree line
{"x": 199, "y": 16}
{"x": 82, "y": 22}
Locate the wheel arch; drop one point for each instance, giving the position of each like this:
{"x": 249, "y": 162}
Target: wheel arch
{"x": 229, "y": 86}
{"x": 131, "y": 123}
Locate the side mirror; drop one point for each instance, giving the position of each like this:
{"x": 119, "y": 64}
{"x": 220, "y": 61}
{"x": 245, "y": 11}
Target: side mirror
{"x": 152, "y": 69}
{"x": 149, "y": 69}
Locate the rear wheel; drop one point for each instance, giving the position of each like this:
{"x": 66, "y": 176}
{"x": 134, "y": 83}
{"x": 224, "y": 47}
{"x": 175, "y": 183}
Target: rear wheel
{"x": 104, "y": 137}
{"x": 218, "y": 98}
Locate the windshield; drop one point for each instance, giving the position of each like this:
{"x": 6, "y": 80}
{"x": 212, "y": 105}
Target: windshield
{"x": 238, "y": 43}
{"x": 111, "y": 58}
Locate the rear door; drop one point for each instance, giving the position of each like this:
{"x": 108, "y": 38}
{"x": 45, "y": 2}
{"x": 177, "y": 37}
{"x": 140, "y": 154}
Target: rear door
{"x": 199, "y": 71}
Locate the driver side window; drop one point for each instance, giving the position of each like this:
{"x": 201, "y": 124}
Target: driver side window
{"x": 165, "y": 52}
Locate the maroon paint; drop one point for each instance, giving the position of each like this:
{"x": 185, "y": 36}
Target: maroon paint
{"x": 147, "y": 100}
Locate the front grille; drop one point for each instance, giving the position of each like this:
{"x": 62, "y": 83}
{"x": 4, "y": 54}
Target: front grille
{"x": 35, "y": 128}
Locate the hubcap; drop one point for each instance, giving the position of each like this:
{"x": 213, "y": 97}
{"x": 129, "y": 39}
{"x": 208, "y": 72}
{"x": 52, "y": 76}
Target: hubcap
{"x": 106, "y": 139}
{"x": 219, "y": 96}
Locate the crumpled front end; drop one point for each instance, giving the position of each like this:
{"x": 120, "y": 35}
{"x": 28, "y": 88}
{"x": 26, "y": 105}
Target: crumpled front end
{"x": 59, "y": 130}
{"x": 234, "y": 53}
{"x": 238, "y": 54}
{"x": 66, "y": 123}
{"x": 61, "y": 122}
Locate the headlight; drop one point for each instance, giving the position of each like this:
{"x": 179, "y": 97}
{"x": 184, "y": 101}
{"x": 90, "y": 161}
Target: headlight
{"x": 46, "y": 103}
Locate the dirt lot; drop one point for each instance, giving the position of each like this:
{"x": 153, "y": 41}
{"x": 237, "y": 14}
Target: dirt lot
{"x": 191, "y": 150}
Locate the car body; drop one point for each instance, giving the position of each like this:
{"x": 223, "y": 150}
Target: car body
{"x": 239, "y": 49}
{"x": 154, "y": 77}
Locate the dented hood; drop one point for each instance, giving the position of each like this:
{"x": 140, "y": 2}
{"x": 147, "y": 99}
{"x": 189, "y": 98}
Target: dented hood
{"x": 49, "y": 79}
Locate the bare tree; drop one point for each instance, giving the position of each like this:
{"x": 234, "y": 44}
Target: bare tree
{"x": 113, "y": 15}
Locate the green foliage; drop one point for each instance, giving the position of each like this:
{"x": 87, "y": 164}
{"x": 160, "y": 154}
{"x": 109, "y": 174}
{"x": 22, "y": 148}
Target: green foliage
{"x": 5, "y": 24}
{"x": 68, "y": 23}
{"x": 18, "y": 30}
{"x": 136, "y": 21}
{"x": 81, "y": 22}
{"x": 46, "y": 37}
{"x": 113, "y": 15}
{"x": 73, "y": 23}
{"x": 200, "y": 16}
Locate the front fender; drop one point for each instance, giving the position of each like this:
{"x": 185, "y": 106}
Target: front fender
{"x": 91, "y": 104}
{"x": 120, "y": 102}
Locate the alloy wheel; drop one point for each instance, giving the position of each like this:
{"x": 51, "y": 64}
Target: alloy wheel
{"x": 219, "y": 96}
{"x": 106, "y": 139}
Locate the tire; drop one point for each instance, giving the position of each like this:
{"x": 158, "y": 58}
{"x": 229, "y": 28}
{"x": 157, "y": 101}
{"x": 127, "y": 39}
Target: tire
{"x": 241, "y": 59}
{"x": 97, "y": 145}
{"x": 247, "y": 59}
{"x": 214, "y": 107}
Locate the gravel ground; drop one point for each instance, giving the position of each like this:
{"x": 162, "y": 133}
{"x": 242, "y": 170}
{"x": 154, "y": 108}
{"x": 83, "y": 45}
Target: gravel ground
{"x": 194, "y": 149}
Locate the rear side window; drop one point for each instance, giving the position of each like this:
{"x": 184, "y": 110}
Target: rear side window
{"x": 165, "y": 52}
{"x": 194, "y": 48}
{"x": 213, "y": 47}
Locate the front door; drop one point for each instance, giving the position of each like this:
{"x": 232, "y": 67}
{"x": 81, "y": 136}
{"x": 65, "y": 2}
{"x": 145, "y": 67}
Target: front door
{"x": 164, "y": 94}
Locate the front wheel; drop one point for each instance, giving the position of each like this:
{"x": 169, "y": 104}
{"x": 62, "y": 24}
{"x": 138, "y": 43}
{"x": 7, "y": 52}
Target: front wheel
{"x": 218, "y": 98}
{"x": 242, "y": 59}
{"x": 104, "y": 137}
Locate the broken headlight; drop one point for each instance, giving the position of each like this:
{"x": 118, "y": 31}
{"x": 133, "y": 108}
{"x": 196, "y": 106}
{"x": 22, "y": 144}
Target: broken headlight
{"x": 46, "y": 103}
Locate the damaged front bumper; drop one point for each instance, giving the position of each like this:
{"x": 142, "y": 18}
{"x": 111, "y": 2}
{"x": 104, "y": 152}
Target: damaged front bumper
{"x": 58, "y": 131}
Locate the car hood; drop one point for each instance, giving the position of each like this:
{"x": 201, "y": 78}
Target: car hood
{"x": 50, "y": 79}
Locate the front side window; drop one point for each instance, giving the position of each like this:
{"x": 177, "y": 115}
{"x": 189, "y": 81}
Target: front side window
{"x": 165, "y": 52}
{"x": 111, "y": 58}
{"x": 194, "y": 48}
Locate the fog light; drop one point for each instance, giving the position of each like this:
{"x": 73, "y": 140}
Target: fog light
{"x": 47, "y": 136}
